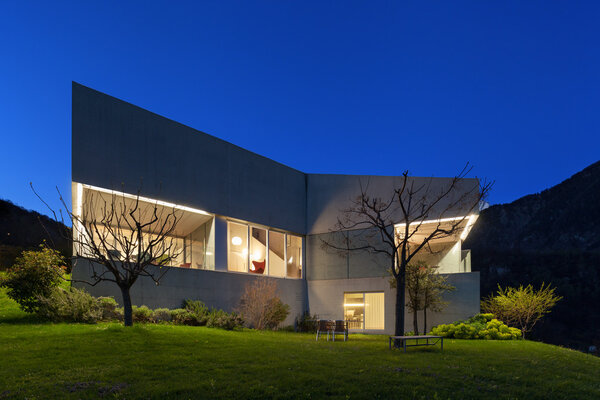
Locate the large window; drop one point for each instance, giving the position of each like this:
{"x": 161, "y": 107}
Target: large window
{"x": 188, "y": 243}
{"x": 258, "y": 251}
{"x": 294, "y": 256}
{"x": 237, "y": 239}
{"x": 199, "y": 249}
{"x": 276, "y": 254}
{"x": 365, "y": 311}
{"x": 262, "y": 251}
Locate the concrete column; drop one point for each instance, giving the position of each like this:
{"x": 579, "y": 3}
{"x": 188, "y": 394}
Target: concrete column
{"x": 220, "y": 244}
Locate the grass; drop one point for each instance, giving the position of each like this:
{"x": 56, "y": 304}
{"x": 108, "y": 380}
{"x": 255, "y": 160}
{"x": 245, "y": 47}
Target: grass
{"x": 43, "y": 360}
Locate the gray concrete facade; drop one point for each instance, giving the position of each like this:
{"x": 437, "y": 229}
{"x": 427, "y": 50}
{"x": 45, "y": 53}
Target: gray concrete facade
{"x": 119, "y": 146}
{"x": 326, "y": 299}
{"x": 216, "y": 289}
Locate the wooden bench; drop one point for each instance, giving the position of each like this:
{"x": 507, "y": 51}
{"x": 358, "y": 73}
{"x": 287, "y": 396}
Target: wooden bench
{"x": 404, "y": 339}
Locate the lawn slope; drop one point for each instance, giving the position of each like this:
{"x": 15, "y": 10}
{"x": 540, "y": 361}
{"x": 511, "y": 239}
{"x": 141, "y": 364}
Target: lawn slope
{"x": 39, "y": 360}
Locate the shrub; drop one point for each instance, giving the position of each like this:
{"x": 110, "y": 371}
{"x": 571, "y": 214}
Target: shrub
{"x": 110, "y": 311}
{"x": 72, "y": 305}
{"x": 307, "y": 322}
{"x": 161, "y": 315}
{"x": 523, "y": 306}
{"x": 276, "y": 313}
{"x": 34, "y": 275}
{"x": 481, "y": 326}
{"x": 224, "y": 320}
{"x": 196, "y": 307}
{"x": 261, "y": 307}
{"x": 181, "y": 316}
{"x": 199, "y": 310}
{"x": 141, "y": 314}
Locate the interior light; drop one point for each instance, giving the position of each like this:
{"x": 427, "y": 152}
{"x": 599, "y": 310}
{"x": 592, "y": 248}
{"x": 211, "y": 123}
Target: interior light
{"x": 245, "y": 252}
{"x": 468, "y": 227}
{"x": 79, "y": 201}
{"x": 146, "y": 199}
{"x": 290, "y": 260}
{"x": 256, "y": 255}
{"x": 236, "y": 240}
{"x": 251, "y": 267}
{"x": 436, "y": 221}
{"x": 208, "y": 253}
{"x": 354, "y": 304}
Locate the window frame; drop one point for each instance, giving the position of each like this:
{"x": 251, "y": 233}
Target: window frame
{"x": 268, "y": 231}
{"x": 364, "y": 300}
{"x": 229, "y": 238}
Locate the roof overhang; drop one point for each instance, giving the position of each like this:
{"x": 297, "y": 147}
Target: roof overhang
{"x": 94, "y": 202}
{"x": 458, "y": 228}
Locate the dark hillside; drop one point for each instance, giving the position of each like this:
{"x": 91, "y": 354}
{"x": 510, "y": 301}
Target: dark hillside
{"x": 552, "y": 236}
{"x": 22, "y": 229}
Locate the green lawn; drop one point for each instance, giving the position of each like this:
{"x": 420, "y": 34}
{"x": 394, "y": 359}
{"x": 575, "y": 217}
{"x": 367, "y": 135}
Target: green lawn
{"x": 160, "y": 361}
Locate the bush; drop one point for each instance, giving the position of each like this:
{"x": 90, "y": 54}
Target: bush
{"x": 261, "y": 307}
{"x": 181, "y": 316}
{"x": 141, "y": 314}
{"x": 35, "y": 274}
{"x": 109, "y": 308}
{"x": 481, "y": 326}
{"x": 199, "y": 310}
{"x": 196, "y": 307}
{"x": 224, "y": 320}
{"x": 523, "y": 306}
{"x": 307, "y": 322}
{"x": 72, "y": 305}
{"x": 161, "y": 315}
{"x": 76, "y": 305}
{"x": 276, "y": 313}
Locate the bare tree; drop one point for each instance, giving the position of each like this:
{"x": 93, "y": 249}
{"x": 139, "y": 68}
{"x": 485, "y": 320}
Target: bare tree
{"x": 123, "y": 239}
{"x": 415, "y": 214}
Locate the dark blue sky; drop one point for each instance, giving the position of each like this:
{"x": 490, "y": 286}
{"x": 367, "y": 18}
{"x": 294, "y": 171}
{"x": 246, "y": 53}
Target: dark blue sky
{"x": 324, "y": 87}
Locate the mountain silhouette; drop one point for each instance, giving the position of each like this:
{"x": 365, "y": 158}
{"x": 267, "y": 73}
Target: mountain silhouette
{"x": 22, "y": 229}
{"x": 551, "y": 237}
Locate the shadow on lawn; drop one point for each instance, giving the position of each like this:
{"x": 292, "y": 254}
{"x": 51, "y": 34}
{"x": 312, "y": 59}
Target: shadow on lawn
{"x": 25, "y": 319}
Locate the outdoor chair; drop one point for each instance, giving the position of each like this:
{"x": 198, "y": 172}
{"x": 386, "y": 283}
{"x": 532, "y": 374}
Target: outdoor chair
{"x": 341, "y": 327}
{"x": 325, "y": 326}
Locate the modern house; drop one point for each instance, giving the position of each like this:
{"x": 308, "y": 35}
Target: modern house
{"x": 246, "y": 217}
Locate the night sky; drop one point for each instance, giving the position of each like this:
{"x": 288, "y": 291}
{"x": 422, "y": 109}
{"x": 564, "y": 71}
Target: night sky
{"x": 324, "y": 87}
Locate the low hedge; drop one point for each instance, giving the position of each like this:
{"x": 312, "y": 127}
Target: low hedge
{"x": 76, "y": 305}
{"x": 481, "y": 326}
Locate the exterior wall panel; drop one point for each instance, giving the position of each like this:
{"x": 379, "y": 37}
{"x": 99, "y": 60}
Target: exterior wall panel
{"x": 216, "y": 289}
{"x": 119, "y": 146}
{"x": 326, "y": 299}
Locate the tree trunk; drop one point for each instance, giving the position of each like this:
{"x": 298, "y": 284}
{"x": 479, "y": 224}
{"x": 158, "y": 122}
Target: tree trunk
{"x": 425, "y": 321}
{"x": 127, "y": 311}
{"x": 415, "y": 322}
{"x": 400, "y": 304}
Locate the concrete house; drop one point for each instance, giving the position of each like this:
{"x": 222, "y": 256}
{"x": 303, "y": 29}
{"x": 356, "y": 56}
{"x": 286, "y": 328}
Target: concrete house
{"x": 245, "y": 217}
